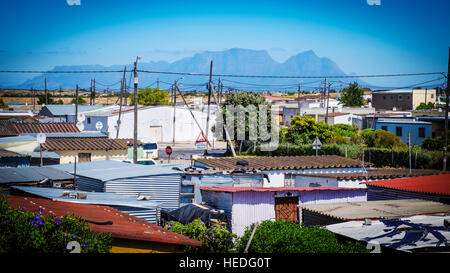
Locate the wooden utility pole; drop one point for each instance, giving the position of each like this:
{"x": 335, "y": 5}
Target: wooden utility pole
{"x": 209, "y": 102}
{"x": 45, "y": 91}
{"x": 157, "y": 83}
{"x": 324, "y": 91}
{"x": 93, "y": 94}
{"x": 90, "y": 94}
{"x": 76, "y": 105}
{"x": 122, "y": 81}
{"x": 298, "y": 100}
{"x": 136, "y": 100}
{"x": 328, "y": 99}
{"x": 447, "y": 93}
{"x": 174, "y": 88}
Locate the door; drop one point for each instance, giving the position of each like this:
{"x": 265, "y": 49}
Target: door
{"x": 156, "y": 133}
{"x": 286, "y": 208}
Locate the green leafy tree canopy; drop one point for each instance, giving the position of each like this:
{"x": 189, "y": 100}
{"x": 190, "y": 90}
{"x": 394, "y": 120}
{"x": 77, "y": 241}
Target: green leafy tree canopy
{"x": 352, "y": 95}
{"x": 151, "y": 96}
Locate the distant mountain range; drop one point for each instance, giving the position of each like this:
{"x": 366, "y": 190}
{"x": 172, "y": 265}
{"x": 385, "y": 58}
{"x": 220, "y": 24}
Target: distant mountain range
{"x": 234, "y": 61}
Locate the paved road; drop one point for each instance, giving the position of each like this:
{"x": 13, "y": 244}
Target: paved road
{"x": 185, "y": 153}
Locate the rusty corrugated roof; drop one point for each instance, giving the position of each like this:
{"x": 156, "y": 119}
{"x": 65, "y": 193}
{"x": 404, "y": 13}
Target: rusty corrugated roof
{"x": 81, "y": 143}
{"x": 374, "y": 174}
{"x": 281, "y": 162}
{"x": 432, "y": 184}
{"x": 47, "y": 127}
{"x": 7, "y": 129}
{"x": 123, "y": 225}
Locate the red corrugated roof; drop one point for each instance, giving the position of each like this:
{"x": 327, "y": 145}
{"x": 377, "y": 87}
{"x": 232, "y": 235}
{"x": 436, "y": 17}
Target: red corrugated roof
{"x": 124, "y": 225}
{"x": 433, "y": 184}
{"x": 260, "y": 189}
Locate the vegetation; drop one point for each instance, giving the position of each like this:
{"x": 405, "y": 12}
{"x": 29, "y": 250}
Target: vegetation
{"x": 80, "y": 100}
{"x": 214, "y": 239}
{"x": 381, "y": 139}
{"x": 23, "y": 231}
{"x": 3, "y": 104}
{"x": 41, "y": 99}
{"x": 151, "y": 96}
{"x": 423, "y": 106}
{"x": 352, "y": 95}
{"x": 287, "y": 237}
{"x": 435, "y": 144}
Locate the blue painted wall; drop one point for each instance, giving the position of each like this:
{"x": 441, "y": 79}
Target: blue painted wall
{"x": 406, "y": 128}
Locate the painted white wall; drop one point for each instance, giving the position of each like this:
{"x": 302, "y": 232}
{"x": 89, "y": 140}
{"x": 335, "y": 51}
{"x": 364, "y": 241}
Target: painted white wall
{"x": 186, "y": 129}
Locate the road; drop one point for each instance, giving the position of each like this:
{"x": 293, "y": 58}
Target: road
{"x": 184, "y": 151}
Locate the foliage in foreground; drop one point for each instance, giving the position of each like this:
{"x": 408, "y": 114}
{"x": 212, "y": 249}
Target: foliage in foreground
{"x": 215, "y": 239}
{"x": 287, "y": 237}
{"x": 23, "y": 231}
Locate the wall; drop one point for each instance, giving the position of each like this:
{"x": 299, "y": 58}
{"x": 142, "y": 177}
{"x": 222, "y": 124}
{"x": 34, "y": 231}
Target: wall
{"x": 424, "y": 96}
{"x": 186, "y": 128}
{"x": 406, "y": 128}
{"x": 387, "y": 101}
{"x": 69, "y": 156}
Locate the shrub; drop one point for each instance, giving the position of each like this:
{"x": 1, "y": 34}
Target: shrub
{"x": 434, "y": 144}
{"x": 215, "y": 239}
{"x": 287, "y": 237}
{"x": 24, "y": 231}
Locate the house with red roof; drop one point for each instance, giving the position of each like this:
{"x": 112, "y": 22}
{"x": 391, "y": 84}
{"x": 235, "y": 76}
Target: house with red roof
{"x": 130, "y": 234}
{"x": 433, "y": 187}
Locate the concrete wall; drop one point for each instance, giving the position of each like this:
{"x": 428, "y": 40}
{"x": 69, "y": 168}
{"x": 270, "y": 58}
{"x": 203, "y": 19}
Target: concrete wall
{"x": 387, "y": 101}
{"x": 423, "y": 95}
{"x": 406, "y": 128}
{"x": 69, "y": 156}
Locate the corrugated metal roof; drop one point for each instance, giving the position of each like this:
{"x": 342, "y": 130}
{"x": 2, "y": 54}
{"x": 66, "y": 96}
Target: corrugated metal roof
{"x": 65, "y": 110}
{"x": 5, "y": 153}
{"x": 281, "y": 162}
{"x": 274, "y": 189}
{"x": 433, "y": 184}
{"x": 405, "y": 234}
{"x": 386, "y": 209}
{"x": 47, "y": 127}
{"x": 15, "y": 139}
{"x": 110, "y": 169}
{"x": 373, "y": 174}
{"x": 97, "y": 198}
{"x": 83, "y": 143}
{"x": 7, "y": 129}
{"x": 32, "y": 174}
{"x": 124, "y": 225}
{"x": 402, "y": 121}
{"x": 63, "y": 135}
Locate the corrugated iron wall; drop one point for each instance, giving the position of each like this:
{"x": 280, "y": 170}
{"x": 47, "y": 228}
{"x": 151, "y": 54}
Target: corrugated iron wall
{"x": 311, "y": 218}
{"x": 251, "y": 207}
{"x": 89, "y": 184}
{"x": 379, "y": 193}
{"x": 147, "y": 214}
{"x": 164, "y": 189}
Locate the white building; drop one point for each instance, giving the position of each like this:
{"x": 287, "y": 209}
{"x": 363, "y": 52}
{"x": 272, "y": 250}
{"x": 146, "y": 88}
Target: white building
{"x": 154, "y": 122}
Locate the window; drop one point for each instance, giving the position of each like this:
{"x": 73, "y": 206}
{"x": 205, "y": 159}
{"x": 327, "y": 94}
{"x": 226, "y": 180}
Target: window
{"x": 407, "y": 97}
{"x": 88, "y": 120}
{"x": 432, "y": 96}
{"x": 400, "y": 97}
{"x": 384, "y": 97}
{"x": 392, "y": 97}
{"x": 84, "y": 157}
{"x": 384, "y": 128}
{"x": 398, "y": 131}
{"x": 421, "y": 131}
{"x": 150, "y": 146}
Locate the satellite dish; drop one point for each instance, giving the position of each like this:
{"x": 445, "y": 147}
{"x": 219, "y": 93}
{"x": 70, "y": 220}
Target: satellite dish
{"x": 41, "y": 138}
{"x": 80, "y": 126}
{"x": 99, "y": 125}
{"x": 81, "y": 117}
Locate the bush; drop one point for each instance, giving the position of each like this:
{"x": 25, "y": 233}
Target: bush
{"x": 287, "y": 237}
{"x": 24, "y": 231}
{"x": 215, "y": 239}
{"x": 435, "y": 144}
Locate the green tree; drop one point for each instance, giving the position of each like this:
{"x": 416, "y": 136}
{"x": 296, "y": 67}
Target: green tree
{"x": 151, "y": 96}
{"x": 352, "y": 95}
{"x": 423, "y": 106}
{"x": 304, "y": 130}
{"x": 3, "y": 104}
{"x": 381, "y": 139}
{"x": 41, "y": 99}
{"x": 80, "y": 100}
{"x": 245, "y": 99}
{"x": 434, "y": 144}
{"x": 287, "y": 237}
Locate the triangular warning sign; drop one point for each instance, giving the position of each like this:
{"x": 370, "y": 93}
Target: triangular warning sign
{"x": 201, "y": 138}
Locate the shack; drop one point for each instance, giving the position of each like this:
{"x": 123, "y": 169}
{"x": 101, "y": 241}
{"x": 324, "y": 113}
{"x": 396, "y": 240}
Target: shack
{"x": 248, "y": 205}
{"x": 36, "y": 176}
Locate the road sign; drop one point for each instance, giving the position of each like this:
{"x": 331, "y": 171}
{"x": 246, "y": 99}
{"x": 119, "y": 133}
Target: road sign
{"x": 99, "y": 125}
{"x": 168, "y": 150}
{"x": 317, "y": 144}
{"x": 81, "y": 117}
{"x": 80, "y": 125}
{"x": 201, "y": 143}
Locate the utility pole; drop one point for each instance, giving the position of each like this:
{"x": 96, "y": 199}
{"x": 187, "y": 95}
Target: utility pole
{"x": 324, "y": 90}
{"x": 93, "y": 94}
{"x": 174, "y": 88}
{"x": 447, "y": 93}
{"x": 136, "y": 81}
{"x": 76, "y": 105}
{"x": 209, "y": 102}
{"x": 120, "y": 107}
{"x": 328, "y": 99}
{"x": 90, "y": 94}
{"x": 299, "y": 112}
{"x": 157, "y": 83}
{"x": 45, "y": 91}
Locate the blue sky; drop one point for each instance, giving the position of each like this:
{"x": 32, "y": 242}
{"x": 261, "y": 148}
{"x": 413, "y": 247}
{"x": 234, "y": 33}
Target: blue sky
{"x": 397, "y": 36}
